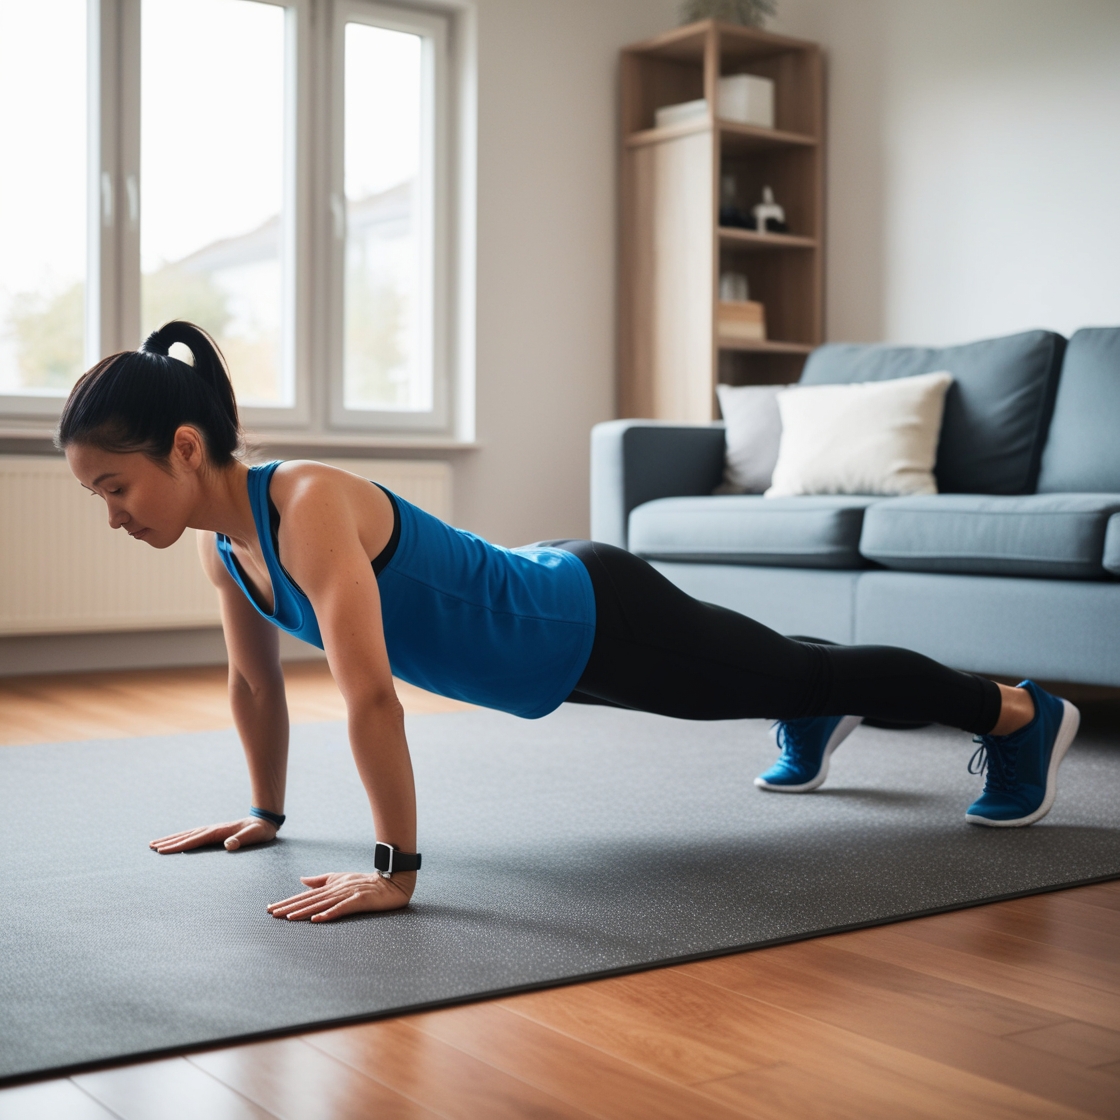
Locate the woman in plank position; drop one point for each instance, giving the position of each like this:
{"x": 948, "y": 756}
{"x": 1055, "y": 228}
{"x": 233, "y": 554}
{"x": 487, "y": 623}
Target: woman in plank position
{"x": 385, "y": 589}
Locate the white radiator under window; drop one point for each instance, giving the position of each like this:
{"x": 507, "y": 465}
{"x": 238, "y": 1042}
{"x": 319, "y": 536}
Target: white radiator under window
{"x": 63, "y": 570}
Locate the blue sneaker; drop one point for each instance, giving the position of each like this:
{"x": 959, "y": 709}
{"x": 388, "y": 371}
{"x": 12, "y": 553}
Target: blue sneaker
{"x": 1022, "y": 767}
{"x": 807, "y": 745}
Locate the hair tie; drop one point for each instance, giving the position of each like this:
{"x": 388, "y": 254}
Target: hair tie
{"x": 276, "y": 819}
{"x": 155, "y": 344}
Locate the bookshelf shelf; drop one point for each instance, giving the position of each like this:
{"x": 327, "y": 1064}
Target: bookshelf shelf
{"x": 764, "y": 346}
{"x": 748, "y": 241}
{"x": 733, "y": 137}
{"x": 747, "y": 138}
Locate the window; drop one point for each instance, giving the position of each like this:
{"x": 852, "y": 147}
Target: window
{"x": 42, "y": 199}
{"x": 386, "y": 201}
{"x": 286, "y": 173}
{"x": 212, "y": 227}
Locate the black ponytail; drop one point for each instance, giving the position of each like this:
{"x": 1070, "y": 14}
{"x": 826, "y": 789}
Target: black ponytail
{"x": 135, "y": 400}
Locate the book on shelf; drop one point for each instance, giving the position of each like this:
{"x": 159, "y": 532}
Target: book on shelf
{"x": 743, "y": 320}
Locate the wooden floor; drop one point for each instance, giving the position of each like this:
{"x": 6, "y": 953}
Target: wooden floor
{"x": 1010, "y": 1010}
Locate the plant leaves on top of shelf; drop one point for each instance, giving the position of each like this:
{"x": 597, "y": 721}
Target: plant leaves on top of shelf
{"x": 750, "y": 13}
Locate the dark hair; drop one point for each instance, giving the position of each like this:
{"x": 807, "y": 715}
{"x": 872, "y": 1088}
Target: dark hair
{"x": 135, "y": 400}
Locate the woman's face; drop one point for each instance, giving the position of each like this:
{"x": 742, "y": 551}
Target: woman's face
{"x": 148, "y": 502}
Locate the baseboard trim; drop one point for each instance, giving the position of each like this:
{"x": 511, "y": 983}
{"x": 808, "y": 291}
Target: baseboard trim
{"x": 34, "y": 654}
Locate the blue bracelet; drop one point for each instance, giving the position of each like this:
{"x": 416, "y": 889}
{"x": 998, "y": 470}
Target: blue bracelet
{"x": 263, "y": 814}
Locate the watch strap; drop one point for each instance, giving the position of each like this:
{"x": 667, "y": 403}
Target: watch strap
{"x": 387, "y": 859}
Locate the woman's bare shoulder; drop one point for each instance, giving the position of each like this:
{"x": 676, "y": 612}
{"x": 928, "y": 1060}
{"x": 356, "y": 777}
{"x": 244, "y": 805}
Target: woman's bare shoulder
{"x": 296, "y": 479}
{"x": 303, "y": 488}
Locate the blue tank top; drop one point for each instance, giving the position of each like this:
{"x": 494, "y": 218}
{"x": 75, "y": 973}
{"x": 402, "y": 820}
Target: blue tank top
{"x": 505, "y": 628}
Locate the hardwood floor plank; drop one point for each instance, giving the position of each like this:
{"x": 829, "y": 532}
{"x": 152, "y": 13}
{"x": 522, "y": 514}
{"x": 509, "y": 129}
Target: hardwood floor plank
{"x": 294, "y": 1081}
{"x": 1065, "y": 957}
{"x": 801, "y": 974}
{"x": 674, "y": 1001}
{"x": 1079, "y": 1042}
{"x": 572, "y": 1071}
{"x": 785, "y": 1090}
{"x": 1103, "y": 895}
{"x": 673, "y": 1030}
{"x": 1067, "y": 906}
{"x": 171, "y": 1089}
{"x": 952, "y": 1041}
{"x": 60, "y": 1099}
{"x": 628, "y": 1018}
{"x": 52, "y": 709}
{"x": 1049, "y": 921}
{"x": 437, "y": 1075}
{"x": 98, "y": 705}
{"x": 1016, "y": 980}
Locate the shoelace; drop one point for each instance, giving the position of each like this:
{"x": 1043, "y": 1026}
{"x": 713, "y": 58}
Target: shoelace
{"x": 787, "y": 741}
{"x": 998, "y": 761}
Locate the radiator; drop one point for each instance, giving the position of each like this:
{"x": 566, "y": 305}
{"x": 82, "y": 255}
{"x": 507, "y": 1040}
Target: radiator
{"x": 62, "y": 570}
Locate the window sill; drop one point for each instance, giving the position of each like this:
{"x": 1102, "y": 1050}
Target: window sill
{"x": 31, "y": 438}
{"x": 339, "y": 441}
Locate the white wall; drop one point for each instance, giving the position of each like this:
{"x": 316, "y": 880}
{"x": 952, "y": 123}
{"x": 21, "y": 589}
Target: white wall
{"x": 973, "y": 165}
{"x": 547, "y": 155}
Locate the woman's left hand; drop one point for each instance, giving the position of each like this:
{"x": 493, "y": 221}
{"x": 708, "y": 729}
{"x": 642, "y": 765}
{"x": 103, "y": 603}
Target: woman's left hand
{"x": 333, "y": 896}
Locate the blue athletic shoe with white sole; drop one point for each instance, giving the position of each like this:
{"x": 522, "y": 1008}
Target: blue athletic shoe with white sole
{"x": 1022, "y": 768}
{"x": 807, "y": 745}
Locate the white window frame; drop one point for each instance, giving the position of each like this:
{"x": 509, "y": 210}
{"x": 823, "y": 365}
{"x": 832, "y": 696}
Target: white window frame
{"x": 313, "y": 252}
{"x": 432, "y": 193}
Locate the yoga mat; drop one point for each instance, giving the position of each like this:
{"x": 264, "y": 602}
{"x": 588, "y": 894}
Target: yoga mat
{"x": 590, "y": 842}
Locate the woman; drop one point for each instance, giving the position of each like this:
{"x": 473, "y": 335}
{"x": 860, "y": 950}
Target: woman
{"x": 386, "y": 589}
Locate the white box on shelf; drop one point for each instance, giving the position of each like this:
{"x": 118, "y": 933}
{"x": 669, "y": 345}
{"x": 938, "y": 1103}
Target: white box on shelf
{"x": 678, "y": 114}
{"x": 747, "y": 99}
{"x": 743, "y": 98}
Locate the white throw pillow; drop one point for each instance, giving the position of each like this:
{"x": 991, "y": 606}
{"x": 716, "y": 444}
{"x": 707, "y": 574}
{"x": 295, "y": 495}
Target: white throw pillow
{"x": 873, "y": 437}
{"x": 754, "y": 431}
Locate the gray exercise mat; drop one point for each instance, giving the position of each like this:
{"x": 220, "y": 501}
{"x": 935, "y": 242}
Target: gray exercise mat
{"x": 592, "y": 841}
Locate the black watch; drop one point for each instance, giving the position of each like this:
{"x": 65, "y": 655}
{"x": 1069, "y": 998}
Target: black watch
{"x": 387, "y": 859}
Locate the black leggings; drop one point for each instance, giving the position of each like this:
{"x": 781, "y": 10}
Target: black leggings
{"x": 659, "y": 650}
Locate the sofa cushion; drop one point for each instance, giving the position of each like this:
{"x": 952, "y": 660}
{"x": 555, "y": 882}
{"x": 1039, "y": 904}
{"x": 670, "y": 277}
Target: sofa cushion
{"x": 809, "y": 532}
{"x": 1083, "y": 451}
{"x": 754, "y": 433}
{"x": 996, "y": 411}
{"x": 873, "y": 437}
{"x": 1056, "y": 535}
{"x": 1112, "y": 545}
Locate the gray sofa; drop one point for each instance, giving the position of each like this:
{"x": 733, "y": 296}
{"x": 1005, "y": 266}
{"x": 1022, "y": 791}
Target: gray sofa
{"x": 1011, "y": 569}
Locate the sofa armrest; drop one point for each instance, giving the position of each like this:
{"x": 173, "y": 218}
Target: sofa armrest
{"x": 636, "y": 461}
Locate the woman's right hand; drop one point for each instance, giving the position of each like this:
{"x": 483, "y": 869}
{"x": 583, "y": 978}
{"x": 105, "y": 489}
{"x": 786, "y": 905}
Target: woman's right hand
{"x": 233, "y": 835}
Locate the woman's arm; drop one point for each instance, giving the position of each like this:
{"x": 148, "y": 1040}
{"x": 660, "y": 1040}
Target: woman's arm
{"x": 256, "y": 691}
{"x": 321, "y": 542}
{"x": 260, "y": 712}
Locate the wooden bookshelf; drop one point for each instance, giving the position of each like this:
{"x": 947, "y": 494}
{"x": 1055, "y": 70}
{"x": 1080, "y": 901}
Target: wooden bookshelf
{"x": 671, "y": 353}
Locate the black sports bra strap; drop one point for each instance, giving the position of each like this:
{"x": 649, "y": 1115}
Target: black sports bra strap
{"x": 381, "y": 560}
